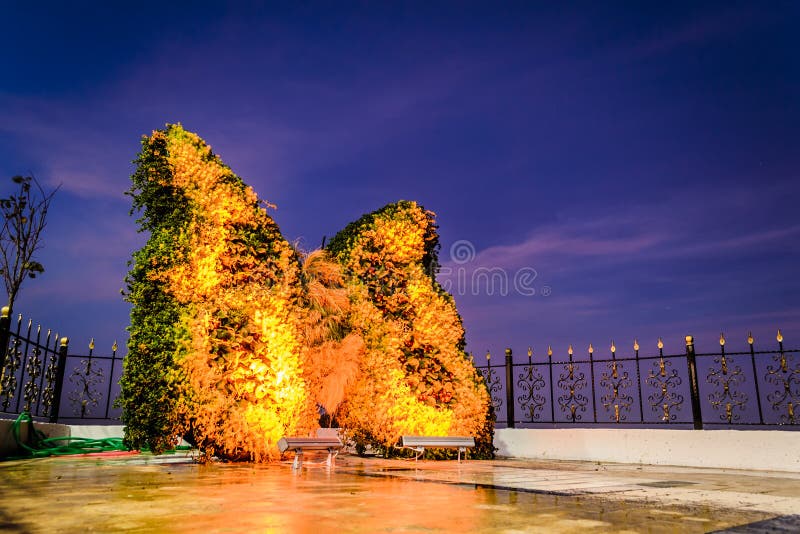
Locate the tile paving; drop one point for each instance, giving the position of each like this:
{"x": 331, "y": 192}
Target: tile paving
{"x": 766, "y": 491}
{"x": 173, "y": 494}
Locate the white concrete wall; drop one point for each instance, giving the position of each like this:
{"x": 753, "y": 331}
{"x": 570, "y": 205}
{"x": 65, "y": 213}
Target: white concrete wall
{"x": 773, "y": 450}
{"x": 736, "y": 449}
{"x": 102, "y": 432}
{"x": 97, "y": 431}
{"x": 8, "y": 445}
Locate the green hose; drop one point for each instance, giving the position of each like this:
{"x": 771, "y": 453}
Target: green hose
{"x": 41, "y": 446}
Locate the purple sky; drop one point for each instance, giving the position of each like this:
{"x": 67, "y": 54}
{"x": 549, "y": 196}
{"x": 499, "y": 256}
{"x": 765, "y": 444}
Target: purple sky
{"x": 634, "y": 167}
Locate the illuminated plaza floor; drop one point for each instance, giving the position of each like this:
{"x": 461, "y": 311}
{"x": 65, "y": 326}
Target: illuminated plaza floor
{"x": 144, "y": 493}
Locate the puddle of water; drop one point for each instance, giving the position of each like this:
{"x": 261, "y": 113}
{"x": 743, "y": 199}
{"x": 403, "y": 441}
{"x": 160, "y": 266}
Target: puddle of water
{"x": 83, "y": 494}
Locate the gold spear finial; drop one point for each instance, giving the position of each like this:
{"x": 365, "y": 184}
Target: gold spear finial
{"x": 750, "y": 338}
{"x": 591, "y": 348}
{"x": 779, "y": 336}
{"x": 635, "y": 344}
{"x": 488, "y": 355}
{"x": 721, "y": 339}
{"x": 530, "y": 352}
{"x": 91, "y": 344}
{"x": 569, "y": 350}
{"x": 613, "y": 347}
{"x": 660, "y": 344}
{"x": 114, "y": 347}
{"x": 549, "y": 351}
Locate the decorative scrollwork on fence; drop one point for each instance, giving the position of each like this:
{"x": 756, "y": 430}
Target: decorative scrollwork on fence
{"x": 727, "y": 376}
{"x": 616, "y": 382}
{"x": 572, "y": 381}
{"x": 531, "y": 382}
{"x": 8, "y": 386}
{"x": 786, "y": 376}
{"x": 493, "y": 385}
{"x": 85, "y": 396}
{"x": 34, "y": 371}
{"x": 50, "y": 375}
{"x": 664, "y": 380}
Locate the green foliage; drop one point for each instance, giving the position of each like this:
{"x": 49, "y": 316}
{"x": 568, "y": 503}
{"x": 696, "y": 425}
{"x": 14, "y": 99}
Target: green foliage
{"x": 215, "y": 293}
{"x": 218, "y": 299}
{"x": 149, "y": 392}
{"x": 343, "y": 242}
{"x": 417, "y": 332}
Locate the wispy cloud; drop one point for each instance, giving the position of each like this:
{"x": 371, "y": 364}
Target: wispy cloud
{"x": 274, "y": 132}
{"x": 74, "y": 144}
{"x": 648, "y": 232}
{"x": 755, "y": 239}
{"x": 644, "y": 274}
{"x": 702, "y": 29}
{"x": 85, "y": 261}
{"x": 570, "y": 240}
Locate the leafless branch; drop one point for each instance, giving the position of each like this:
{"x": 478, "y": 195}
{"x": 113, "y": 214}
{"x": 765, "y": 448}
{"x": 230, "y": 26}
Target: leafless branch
{"x": 24, "y": 220}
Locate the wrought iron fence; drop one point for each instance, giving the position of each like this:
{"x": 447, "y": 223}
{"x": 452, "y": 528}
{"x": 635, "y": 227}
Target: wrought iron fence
{"x": 38, "y": 375}
{"x": 720, "y": 389}
{"x": 749, "y": 389}
{"x": 32, "y": 369}
{"x": 92, "y": 385}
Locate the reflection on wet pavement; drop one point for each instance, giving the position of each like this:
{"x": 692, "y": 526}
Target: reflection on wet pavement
{"x": 173, "y": 494}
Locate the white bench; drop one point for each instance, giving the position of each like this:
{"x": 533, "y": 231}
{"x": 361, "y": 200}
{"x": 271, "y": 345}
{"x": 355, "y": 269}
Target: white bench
{"x": 332, "y": 444}
{"x": 418, "y": 443}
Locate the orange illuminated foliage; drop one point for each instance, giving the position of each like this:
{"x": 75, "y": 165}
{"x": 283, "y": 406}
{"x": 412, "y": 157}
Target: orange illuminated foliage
{"x": 237, "y": 374}
{"x": 415, "y": 377}
{"x": 237, "y": 340}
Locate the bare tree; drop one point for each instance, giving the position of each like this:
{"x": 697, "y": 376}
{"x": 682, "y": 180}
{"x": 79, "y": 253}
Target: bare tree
{"x": 24, "y": 219}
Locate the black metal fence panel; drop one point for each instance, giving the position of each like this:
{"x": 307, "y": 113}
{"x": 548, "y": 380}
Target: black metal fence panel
{"x": 90, "y": 388}
{"x": 754, "y": 389}
{"x": 39, "y": 376}
{"x": 32, "y": 370}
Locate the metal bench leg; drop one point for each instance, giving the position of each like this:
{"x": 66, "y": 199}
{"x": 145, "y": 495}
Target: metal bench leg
{"x": 298, "y": 459}
{"x": 331, "y": 457}
{"x": 460, "y": 450}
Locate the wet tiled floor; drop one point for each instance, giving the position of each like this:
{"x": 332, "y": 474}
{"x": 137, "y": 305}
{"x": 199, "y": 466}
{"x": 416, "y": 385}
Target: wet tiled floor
{"x": 173, "y": 494}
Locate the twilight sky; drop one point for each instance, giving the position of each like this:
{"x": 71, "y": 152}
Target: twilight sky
{"x": 598, "y": 172}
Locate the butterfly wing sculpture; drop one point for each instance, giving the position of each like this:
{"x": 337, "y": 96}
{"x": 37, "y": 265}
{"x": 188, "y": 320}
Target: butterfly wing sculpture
{"x": 415, "y": 376}
{"x": 236, "y": 339}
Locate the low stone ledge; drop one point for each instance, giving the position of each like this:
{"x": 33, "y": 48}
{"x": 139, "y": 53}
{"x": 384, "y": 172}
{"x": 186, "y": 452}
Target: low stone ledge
{"x": 97, "y": 431}
{"x": 8, "y": 445}
{"x": 769, "y": 450}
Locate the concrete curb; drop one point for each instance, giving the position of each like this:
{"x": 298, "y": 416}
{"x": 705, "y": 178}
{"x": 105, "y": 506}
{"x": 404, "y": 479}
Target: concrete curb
{"x": 772, "y": 450}
{"x": 8, "y": 445}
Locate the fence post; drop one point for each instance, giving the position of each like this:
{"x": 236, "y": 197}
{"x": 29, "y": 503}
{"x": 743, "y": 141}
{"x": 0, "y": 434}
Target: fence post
{"x": 59, "y": 383}
{"x": 509, "y": 389}
{"x": 5, "y": 328}
{"x": 694, "y": 388}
